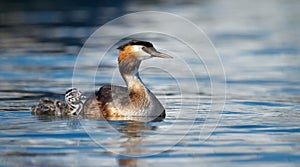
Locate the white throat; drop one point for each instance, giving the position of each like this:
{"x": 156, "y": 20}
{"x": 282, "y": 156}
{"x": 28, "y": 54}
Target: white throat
{"x": 140, "y": 53}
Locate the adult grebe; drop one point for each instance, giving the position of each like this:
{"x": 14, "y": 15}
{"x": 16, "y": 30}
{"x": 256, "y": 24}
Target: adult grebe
{"x": 71, "y": 106}
{"x": 135, "y": 100}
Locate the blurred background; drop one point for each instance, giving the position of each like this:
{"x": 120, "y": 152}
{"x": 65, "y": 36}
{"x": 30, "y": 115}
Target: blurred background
{"x": 257, "y": 42}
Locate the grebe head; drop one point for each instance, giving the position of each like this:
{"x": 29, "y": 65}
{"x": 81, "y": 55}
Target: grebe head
{"x": 73, "y": 96}
{"x": 139, "y": 50}
{"x": 48, "y": 106}
{"x": 73, "y": 99}
{"x": 131, "y": 55}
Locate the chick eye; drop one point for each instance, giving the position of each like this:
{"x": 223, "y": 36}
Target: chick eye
{"x": 44, "y": 107}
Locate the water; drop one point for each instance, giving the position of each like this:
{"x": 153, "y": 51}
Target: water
{"x": 258, "y": 45}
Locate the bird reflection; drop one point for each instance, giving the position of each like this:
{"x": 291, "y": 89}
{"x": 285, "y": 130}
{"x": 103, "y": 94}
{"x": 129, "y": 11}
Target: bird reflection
{"x": 135, "y": 133}
{"x": 131, "y": 138}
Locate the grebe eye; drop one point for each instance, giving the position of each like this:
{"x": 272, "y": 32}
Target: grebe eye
{"x": 44, "y": 107}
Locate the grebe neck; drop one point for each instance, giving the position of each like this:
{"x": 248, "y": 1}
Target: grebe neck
{"x": 136, "y": 88}
{"x": 129, "y": 71}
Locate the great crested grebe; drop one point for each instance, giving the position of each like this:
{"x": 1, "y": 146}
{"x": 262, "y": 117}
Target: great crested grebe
{"x": 71, "y": 106}
{"x": 135, "y": 100}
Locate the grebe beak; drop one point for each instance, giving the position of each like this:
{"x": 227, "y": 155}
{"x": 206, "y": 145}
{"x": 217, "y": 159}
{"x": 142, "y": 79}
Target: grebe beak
{"x": 154, "y": 53}
{"x": 81, "y": 96}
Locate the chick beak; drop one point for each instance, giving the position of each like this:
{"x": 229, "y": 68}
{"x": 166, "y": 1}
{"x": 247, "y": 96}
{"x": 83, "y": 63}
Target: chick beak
{"x": 154, "y": 53}
{"x": 79, "y": 95}
{"x": 82, "y": 97}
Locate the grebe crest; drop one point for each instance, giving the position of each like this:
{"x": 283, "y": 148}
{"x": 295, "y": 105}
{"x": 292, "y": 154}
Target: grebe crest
{"x": 135, "y": 99}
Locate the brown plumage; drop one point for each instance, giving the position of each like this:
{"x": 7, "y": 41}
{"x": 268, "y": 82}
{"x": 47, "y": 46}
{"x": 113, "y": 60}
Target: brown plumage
{"x": 135, "y": 99}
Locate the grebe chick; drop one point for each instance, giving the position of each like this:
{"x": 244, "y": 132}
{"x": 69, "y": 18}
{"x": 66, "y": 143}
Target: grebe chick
{"x": 73, "y": 99}
{"x": 135, "y": 100}
{"x": 47, "y": 106}
{"x": 71, "y": 106}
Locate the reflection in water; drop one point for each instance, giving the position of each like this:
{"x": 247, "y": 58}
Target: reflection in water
{"x": 133, "y": 132}
{"x": 130, "y": 136}
{"x": 130, "y": 139}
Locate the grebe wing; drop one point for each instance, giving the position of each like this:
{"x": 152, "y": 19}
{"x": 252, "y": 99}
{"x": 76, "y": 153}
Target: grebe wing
{"x": 107, "y": 95}
{"x": 110, "y": 93}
